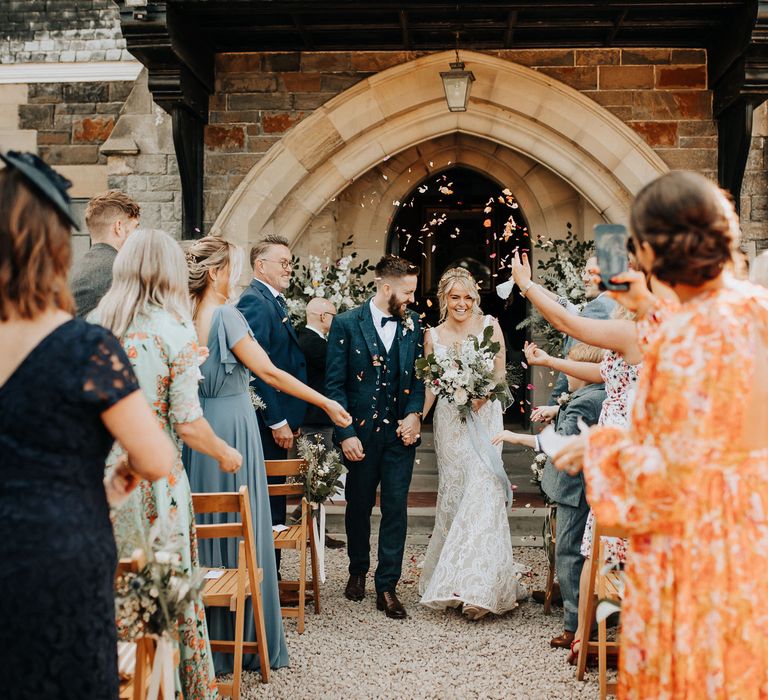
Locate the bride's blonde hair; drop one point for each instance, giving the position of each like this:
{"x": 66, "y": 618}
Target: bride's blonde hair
{"x": 149, "y": 271}
{"x": 457, "y": 275}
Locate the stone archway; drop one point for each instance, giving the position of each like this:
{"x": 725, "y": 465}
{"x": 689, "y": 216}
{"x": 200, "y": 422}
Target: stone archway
{"x": 514, "y": 106}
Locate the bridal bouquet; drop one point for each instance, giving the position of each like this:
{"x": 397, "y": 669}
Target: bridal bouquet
{"x": 465, "y": 373}
{"x": 150, "y": 601}
{"x": 322, "y": 471}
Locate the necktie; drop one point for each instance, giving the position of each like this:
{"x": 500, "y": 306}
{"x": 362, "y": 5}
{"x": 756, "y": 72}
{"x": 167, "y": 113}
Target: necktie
{"x": 281, "y": 300}
{"x": 387, "y": 319}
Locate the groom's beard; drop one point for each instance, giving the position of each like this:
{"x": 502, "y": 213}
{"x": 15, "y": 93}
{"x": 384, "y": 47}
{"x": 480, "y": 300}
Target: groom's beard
{"x": 395, "y": 307}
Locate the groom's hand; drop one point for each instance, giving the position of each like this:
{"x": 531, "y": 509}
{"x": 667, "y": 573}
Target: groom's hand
{"x": 409, "y": 429}
{"x": 353, "y": 449}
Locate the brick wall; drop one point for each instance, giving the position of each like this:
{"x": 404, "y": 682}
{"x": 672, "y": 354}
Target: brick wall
{"x": 661, "y": 93}
{"x": 754, "y": 190}
{"x": 45, "y": 31}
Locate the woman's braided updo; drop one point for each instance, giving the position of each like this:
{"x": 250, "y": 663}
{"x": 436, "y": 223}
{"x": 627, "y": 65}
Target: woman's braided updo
{"x": 210, "y": 254}
{"x": 690, "y": 224}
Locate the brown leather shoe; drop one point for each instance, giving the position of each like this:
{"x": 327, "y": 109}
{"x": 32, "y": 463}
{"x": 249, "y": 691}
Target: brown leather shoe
{"x": 540, "y": 596}
{"x": 392, "y": 607}
{"x": 355, "y": 589}
{"x": 333, "y": 543}
{"x": 562, "y": 641}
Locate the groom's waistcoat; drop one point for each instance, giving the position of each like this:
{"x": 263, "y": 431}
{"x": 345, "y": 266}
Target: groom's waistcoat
{"x": 389, "y": 388}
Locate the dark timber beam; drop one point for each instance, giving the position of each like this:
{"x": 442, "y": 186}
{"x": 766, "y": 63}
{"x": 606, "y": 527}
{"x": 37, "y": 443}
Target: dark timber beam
{"x": 403, "y": 16}
{"x": 509, "y": 35}
{"x": 614, "y": 30}
{"x": 180, "y": 77}
{"x": 303, "y": 33}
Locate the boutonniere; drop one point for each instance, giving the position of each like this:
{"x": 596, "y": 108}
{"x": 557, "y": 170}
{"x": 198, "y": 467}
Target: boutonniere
{"x": 407, "y": 324}
{"x": 377, "y": 360}
{"x": 564, "y": 399}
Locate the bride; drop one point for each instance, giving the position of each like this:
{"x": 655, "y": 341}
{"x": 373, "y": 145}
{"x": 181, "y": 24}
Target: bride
{"x": 469, "y": 559}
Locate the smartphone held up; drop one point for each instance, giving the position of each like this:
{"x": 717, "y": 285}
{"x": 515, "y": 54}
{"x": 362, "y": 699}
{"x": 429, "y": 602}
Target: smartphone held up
{"x": 611, "y": 252}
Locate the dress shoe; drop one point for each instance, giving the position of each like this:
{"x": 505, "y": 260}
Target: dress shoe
{"x": 540, "y": 596}
{"x": 333, "y": 543}
{"x": 562, "y": 641}
{"x": 355, "y": 589}
{"x": 392, "y": 607}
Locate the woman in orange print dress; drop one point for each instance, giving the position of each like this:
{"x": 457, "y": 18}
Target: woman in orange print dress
{"x": 689, "y": 478}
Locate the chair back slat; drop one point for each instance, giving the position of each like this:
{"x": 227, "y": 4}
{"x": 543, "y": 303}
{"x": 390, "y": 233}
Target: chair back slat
{"x": 219, "y": 530}
{"x": 286, "y": 489}
{"x": 133, "y": 564}
{"x": 283, "y": 467}
{"x": 216, "y": 502}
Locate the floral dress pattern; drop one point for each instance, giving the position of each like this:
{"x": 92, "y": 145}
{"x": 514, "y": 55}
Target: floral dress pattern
{"x": 166, "y": 358}
{"x": 689, "y": 481}
{"x": 620, "y": 381}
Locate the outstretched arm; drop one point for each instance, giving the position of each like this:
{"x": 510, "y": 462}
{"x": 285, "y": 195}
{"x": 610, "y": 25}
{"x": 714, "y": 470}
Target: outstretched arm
{"x": 587, "y": 371}
{"x": 614, "y": 334}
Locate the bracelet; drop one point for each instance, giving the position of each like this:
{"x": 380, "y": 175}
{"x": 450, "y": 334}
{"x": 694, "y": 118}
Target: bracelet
{"x": 419, "y": 414}
{"x": 525, "y": 289}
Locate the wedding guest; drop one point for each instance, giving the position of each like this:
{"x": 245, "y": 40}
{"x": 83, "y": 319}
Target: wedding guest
{"x": 67, "y": 391}
{"x": 266, "y": 310}
{"x": 110, "y": 217}
{"x": 313, "y": 341}
{"x": 689, "y": 478}
{"x": 148, "y": 309}
{"x": 214, "y": 266}
{"x": 758, "y": 272}
{"x": 619, "y": 371}
{"x": 585, "y": 404}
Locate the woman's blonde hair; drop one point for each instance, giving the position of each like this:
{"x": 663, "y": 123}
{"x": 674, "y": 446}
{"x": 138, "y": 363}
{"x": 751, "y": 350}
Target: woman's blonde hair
{"x": 149, "y": 271}
{"x": 211, "y": 254}
{"x": 450, "y": 277}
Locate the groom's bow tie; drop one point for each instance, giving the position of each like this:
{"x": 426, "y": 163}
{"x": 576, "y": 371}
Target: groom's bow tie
{"x": 386, "y": 319}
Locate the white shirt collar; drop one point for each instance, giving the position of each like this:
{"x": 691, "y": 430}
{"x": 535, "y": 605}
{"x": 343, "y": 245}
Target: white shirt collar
{"x": 377, "y": 314}
{"x": 275, "y": 292}
{"x": 319, "y": 332}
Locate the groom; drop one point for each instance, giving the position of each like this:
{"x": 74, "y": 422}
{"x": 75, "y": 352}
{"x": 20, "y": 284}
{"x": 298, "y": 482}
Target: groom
{"x": 370, "y": 371}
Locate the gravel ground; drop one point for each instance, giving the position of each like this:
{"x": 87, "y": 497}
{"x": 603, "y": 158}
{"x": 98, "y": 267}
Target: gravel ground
{"x": 353, "y": 651}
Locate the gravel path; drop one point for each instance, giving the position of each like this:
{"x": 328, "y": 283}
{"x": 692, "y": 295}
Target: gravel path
{"x": 353, "y": 651}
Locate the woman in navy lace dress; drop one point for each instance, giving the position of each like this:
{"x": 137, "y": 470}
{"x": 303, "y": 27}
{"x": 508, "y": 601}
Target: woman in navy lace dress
{"x": 66, "y": 392}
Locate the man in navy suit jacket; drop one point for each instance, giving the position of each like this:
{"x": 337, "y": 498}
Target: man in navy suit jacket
{"x": 370, "y": 371}
{"x": 266, "y": 311}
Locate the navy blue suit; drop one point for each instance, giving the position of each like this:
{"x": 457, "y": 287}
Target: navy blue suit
{"x": 378, "y": 388}
{"x": 274, "y": 332}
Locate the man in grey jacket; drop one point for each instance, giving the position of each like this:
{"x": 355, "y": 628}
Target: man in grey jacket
{"x": 586, "y": 403}
{"x": 110, "y": 217}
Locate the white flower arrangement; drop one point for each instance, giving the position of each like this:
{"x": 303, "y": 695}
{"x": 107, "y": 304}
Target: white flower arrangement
{"x": 537, "y": 467}
{"x": 322, "y": 469}
{"x": 408, "y": 324}
{"x": 341, "y": 282}
{"x": 465, "y": 373}
{"x": 563, "y": 400}
{"x": 256, "y": 401}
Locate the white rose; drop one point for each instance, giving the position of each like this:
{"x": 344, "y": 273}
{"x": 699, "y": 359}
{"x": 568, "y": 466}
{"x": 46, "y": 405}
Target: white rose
{"x": 163, "y": 557}
{"x": 460, "y": 396}
{"x": 319, "y": 292}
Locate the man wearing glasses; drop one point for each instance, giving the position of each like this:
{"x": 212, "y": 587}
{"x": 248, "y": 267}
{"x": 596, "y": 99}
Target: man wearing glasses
{"x": 266, "y": 311}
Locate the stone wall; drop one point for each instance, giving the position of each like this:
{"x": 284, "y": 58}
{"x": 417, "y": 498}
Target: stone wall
{"x": 46, "y": 31}
{"x": 754, "y": 190}
{"x": 661, "y": 93}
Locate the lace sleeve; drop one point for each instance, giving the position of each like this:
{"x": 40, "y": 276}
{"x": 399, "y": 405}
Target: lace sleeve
{"x": 108, "y": 375}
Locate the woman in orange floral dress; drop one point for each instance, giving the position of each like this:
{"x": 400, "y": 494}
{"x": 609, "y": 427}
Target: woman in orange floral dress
{"x": 689, "y": 478}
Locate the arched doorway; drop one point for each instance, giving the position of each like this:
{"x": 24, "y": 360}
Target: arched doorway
{"x": 462, "y": 218}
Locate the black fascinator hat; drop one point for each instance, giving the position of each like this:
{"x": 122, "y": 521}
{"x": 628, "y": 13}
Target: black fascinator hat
{"x": 43, "y": 178}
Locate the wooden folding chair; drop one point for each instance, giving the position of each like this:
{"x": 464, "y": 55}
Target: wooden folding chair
{"x": 231, "y": 589}
{"x": 550, "y": 544}
{"x": 299, "y": 537}
{"x": 134, "y": 659}
{"x": 602, "y": 585}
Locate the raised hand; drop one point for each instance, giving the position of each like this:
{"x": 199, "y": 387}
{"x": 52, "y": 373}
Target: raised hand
{"x": 521, "y": 269}
{"x": 534, "y": 355}
{"x": 338, "y": 414}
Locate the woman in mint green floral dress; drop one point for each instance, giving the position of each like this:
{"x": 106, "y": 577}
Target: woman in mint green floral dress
{"x": 147, "y": 308}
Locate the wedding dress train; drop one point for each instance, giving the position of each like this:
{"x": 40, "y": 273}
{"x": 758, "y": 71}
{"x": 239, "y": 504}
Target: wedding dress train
{"x": 469, "y": 558}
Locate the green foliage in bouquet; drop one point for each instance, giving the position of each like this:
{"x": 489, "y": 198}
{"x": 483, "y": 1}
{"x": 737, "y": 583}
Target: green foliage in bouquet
{"x": 322, "y": 471}
{"x": 150, "y": 602}
{"x": 560, "y": 265}
{"x": 341, "y": 282}
{"x": 465, "y": 373}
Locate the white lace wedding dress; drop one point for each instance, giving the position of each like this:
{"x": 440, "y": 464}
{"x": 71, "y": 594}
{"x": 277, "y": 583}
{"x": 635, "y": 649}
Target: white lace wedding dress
{"x": 469, "y": 558}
